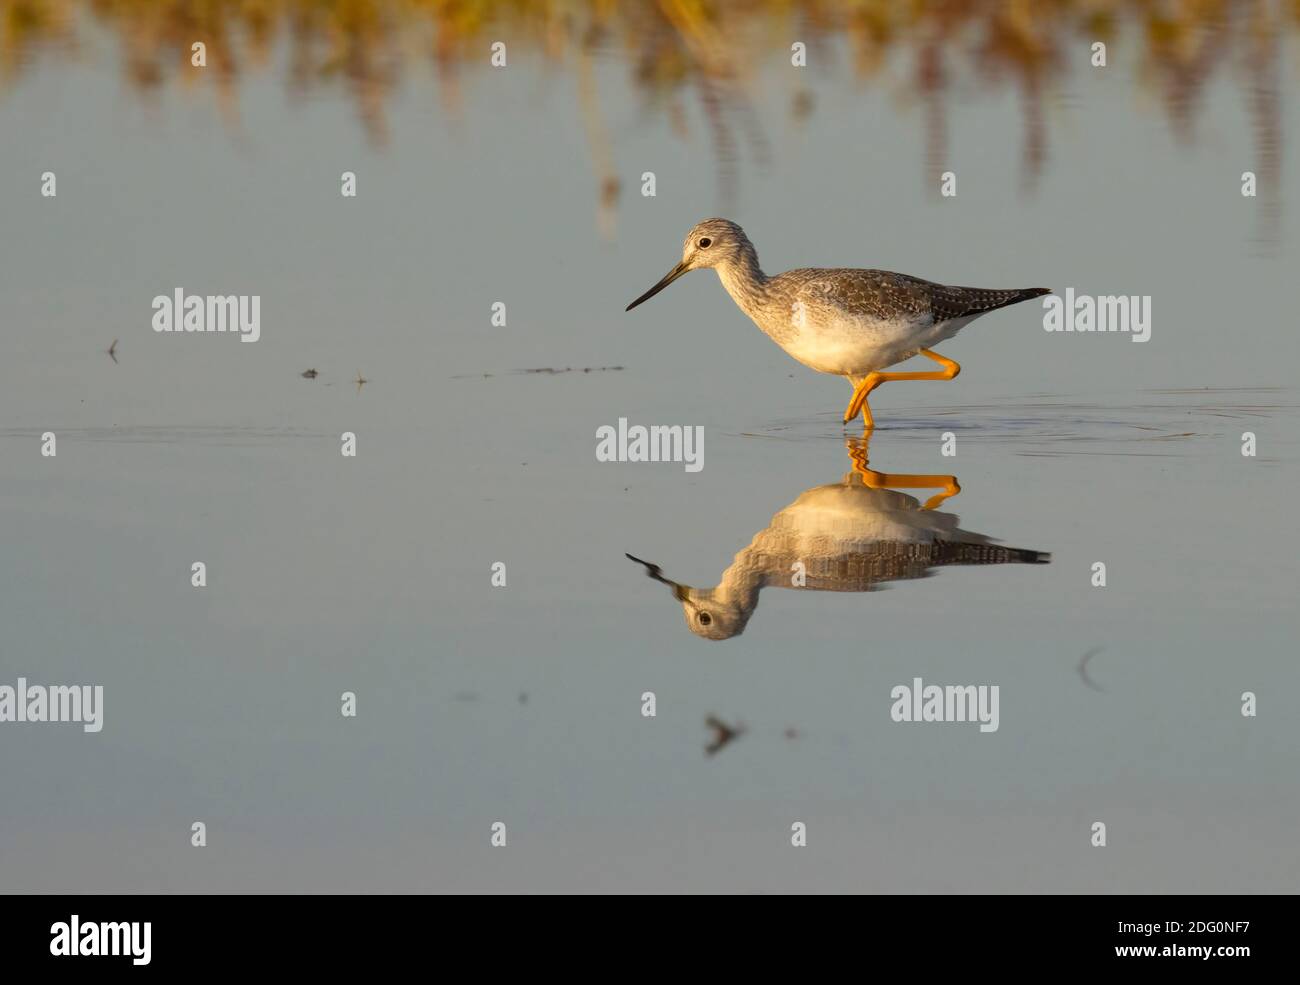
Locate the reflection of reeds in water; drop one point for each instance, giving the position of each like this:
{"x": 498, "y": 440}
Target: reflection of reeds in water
{"x": 1266, "y": 111}
{"x": 701, "y": 51}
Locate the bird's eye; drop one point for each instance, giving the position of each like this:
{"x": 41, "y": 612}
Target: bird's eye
{"x": 705, "y": 619}
{"x": 705, "y": 243}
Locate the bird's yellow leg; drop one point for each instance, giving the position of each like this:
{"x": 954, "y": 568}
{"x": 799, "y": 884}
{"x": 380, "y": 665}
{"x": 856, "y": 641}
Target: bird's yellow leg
{"x": 857, "y": 449}
{"x": 859, "y": 401}
{"x": 873, "y": 380}
{"x": 898, "y": 480}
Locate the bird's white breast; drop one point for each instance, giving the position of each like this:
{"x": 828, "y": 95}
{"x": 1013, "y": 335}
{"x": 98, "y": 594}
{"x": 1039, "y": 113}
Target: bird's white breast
{"x": 847, "y": 346}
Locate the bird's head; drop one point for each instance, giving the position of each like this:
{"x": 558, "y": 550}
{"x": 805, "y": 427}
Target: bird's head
{"x": 711, "y": 243}
{"x": 708, "y": 612}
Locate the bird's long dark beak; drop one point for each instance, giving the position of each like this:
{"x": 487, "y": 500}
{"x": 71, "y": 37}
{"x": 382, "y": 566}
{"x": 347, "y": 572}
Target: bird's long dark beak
{"x": 669, "y": 277}
{"x": 657, "y": 573}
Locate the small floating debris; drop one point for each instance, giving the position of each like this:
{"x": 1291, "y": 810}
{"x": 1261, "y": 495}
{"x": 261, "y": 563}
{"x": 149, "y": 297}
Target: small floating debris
{"x": 543, "y": 371}
{"x": 556, "y": 370}
{"x": 723, "y": 734}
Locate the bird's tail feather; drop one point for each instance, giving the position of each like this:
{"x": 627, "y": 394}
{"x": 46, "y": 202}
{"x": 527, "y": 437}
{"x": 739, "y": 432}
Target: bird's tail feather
{"x": 956, "y": 552}
{"x": 1001, "y": 299}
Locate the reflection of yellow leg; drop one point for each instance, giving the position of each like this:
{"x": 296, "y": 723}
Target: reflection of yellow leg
{"x": 873, "y": 380}
{"x": 897, "y": 480}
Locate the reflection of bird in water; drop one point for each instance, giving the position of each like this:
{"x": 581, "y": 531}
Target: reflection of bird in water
{"x": 850, "y": 323}
{"x": 722, "y": 734}
{"x": 849, "y": 536}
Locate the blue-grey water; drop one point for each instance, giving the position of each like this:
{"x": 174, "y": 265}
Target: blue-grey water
{"x": 522, "y": 704}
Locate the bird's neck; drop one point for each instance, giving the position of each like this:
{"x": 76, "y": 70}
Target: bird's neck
{"x": 744, "y": 279}
{"x": 750, "y": 571}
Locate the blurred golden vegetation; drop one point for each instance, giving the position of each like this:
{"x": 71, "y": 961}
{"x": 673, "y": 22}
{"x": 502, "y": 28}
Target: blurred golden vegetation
{"x": 923, "y": 53}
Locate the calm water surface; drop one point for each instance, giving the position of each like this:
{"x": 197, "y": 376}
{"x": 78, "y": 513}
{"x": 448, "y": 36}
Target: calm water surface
{"x": 522, "y": 704}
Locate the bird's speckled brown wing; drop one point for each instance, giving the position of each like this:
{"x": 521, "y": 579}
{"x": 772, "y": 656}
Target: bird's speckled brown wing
{"x": 862, "y": 572}
{"x": 886, "y": 296}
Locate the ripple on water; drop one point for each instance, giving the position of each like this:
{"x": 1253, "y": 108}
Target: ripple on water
{"x": 1159, "y": 423}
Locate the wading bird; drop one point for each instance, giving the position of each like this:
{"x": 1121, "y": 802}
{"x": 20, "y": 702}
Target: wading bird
{"x": 846, "y": 322}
